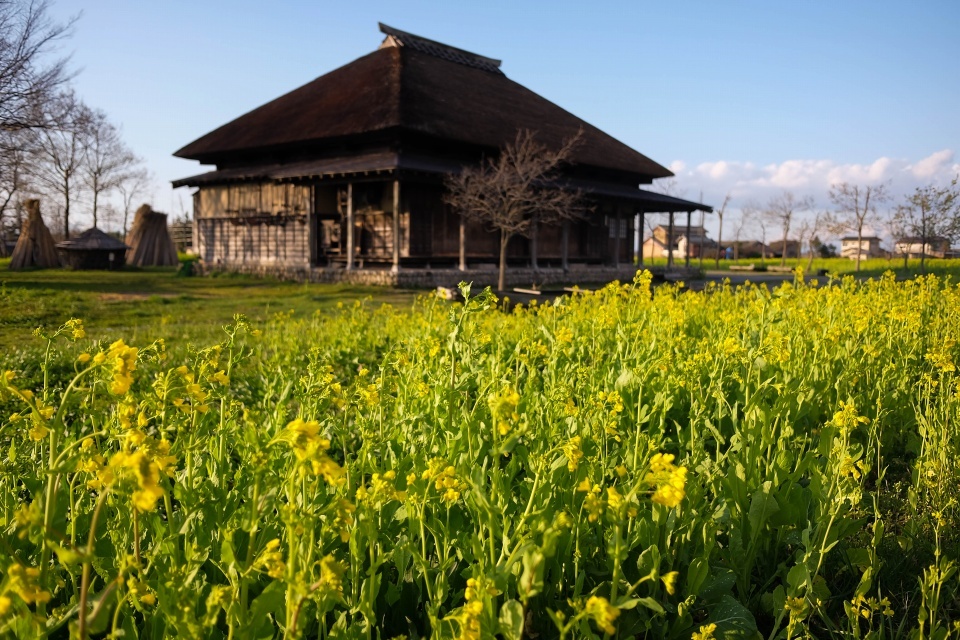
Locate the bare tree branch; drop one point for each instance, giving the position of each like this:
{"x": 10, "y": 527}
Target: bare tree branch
{"x": 28, "y": 77}
{"x": 929, "y": 213}
{"x": 855, "y": 208}
{"x": 106, "y": 159}
{"x": 519, "y": 189}
{"x": 781, "y": 210}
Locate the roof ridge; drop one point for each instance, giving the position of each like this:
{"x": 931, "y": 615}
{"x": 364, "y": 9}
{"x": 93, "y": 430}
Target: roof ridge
{"x": 398, "y": 38}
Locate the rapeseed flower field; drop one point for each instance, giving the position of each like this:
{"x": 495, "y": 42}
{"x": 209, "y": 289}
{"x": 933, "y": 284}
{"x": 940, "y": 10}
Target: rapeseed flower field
{"x": 737, "y": 462}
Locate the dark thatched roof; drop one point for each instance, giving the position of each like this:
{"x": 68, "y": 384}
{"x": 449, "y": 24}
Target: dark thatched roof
{"x": 417, "y": 86}
{"x": 367, "y": 163}
{"x": 92, "y": 240}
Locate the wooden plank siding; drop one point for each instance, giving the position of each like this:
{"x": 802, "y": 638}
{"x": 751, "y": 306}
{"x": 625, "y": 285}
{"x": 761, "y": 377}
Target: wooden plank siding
{"x": 294, "y": 224}
{"x": 263, "y": 223}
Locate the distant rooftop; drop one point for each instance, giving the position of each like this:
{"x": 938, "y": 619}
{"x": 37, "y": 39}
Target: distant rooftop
{"x": 397, "y": 38}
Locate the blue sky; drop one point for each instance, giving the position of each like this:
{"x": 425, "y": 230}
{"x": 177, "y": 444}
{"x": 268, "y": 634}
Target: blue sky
{"x": 740, "y": 96}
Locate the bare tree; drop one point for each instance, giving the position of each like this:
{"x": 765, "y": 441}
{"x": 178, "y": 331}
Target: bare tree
{"x": 28, "y": 75}
{"x": 106, "y": 159}
{"x": 855, "y": 208}
{"x": 931, "y": 213}
{"x": 807, "y": 231}
{"x": 781, "y": 211}
{"x": 132, "y": 185}
{"x": 60, "y": 152}
{"x": 722, "y": 210}
{"x": 746, "y": 213}
{"x": 14, "y": 151}
{"x": 898, "y": 229}
{"x": 516, "y": 190}
{"x": 753, "y": 214}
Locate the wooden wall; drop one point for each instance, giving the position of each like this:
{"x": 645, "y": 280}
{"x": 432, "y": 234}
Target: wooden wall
{"x": 305, "y": 225}
{"x": 264, "y": 198}
{"x": 254, "y": 223}
{"x": 222, "y": 241}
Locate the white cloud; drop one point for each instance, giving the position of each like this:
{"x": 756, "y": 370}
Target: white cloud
{"x": 745, "y": 181}
{"x": 933, "y": 164}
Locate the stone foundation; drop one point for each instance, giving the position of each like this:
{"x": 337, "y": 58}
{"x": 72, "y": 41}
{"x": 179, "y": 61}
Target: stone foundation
{"x": 422, "y": 278}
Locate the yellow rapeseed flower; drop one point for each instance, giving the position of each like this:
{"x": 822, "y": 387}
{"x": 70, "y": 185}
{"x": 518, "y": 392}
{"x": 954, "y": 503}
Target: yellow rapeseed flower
{"x": 602, "y": 613}
{"x": 670, "y": 581}
{"x": 666, "y": 479}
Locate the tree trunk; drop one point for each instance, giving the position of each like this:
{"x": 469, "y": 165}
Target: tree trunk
{"x": 783, "y": 249}
{"x": 66, "y": 215}
{"x": 859, "y": 246}
{"x": 535, "y": 230}
{"x": 719, "y": 243}
{"x": 95, "y": 207}
{"x": 502, "y": 278}
{"x": 565, "y": 257}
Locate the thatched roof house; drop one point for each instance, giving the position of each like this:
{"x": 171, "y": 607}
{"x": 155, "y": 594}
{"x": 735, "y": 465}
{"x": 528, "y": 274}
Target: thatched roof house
{"x": 348, "y": 169}
{"x": 93, "y": 249}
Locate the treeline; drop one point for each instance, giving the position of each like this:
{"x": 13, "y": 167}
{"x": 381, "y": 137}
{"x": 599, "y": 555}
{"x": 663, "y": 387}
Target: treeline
{"x": 52, "y": 144}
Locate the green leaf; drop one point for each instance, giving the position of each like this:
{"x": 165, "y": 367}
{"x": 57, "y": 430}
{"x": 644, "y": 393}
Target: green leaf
{"x": 531, "y": 580}
{"x": 718, "y": 585}
{"x": 270, "y": 600}
{"x": 697, "y": 573}
{"x": 511, "y": 620}
{"x": 651, "y": 604}
{"x": 797, "y": 576}
{"x": 733, "y": 620}
{"x": 762, "y": 506}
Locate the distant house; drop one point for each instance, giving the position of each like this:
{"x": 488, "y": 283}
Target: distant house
{"x": 869, "y": 247}
{"x": 746, "y": 249}
{"x": 793, "y": 249}
{"x": 658, "y": 244}
{"x": 914, "y": 247}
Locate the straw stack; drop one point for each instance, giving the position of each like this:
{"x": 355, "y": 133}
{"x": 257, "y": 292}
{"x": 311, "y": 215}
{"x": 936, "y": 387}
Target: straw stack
{"x": 149, "y": 240}
{"x": 35, "y": 248}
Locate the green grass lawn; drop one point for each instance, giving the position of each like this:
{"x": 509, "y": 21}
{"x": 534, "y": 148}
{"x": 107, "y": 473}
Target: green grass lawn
{"x": 145, "y": 304}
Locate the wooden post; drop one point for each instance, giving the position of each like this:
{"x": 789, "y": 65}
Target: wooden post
{"x": 702, "y": 234}
{"x": 396, "y": 225}
{"x": 635, "y": 246}
{"x": 670, "y": 242}
{"x": 565, "y": 255}
{"x": 349, "y": 226}
{"x": 616, "y": 243}
{"x": 686, "y": 249}
{"x": 640, "y": 227}
{"x": 463, "y": 244}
